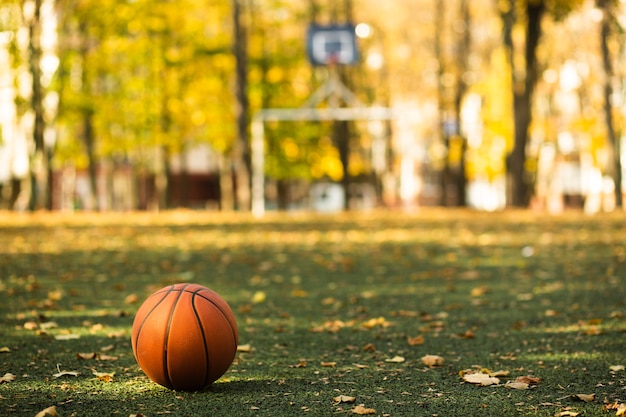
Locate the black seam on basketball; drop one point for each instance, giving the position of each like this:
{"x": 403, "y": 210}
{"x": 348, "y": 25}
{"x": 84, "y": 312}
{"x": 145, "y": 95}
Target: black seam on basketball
{"x": 206, "y": 346}
{"x": 167, "y": 335}
{"x": 223, "y": 314}
{"x": 148, "y": 315}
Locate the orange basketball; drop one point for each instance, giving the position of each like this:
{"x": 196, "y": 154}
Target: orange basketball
{"x": 184, "y": 337}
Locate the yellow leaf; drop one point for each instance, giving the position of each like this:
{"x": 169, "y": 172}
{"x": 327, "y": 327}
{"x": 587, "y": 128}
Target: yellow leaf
{"x": 48, "y": 412}
{"x": 567, "y": 414}
{"x": 344, "y": 399}
{"x": 5, "y": 349}
{"x": 584, "y": 397}
{"x": 329, "y": 364}
{"x": 259, "y": 297}
{"x": 616, "y": 368}
{"x": 361, "y": 410}
{"x": 395, "y": 359}
{"x": 244, "y": 348}
{"x": 415, "y": 341}
{"x": 517, "y": 385}
{"x": 432, "y": 360}
{"x": 621, "y": 410}
{"x": 8, "y": 377}
{"x": 69, "y": 336}
{"x": 103, "y": 376}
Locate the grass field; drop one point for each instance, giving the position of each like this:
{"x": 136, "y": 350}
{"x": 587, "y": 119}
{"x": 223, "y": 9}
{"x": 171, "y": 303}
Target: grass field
{"x": 388, "y": 314}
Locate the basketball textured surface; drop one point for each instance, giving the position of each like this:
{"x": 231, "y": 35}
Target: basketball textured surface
{"x": 184, "y": 337}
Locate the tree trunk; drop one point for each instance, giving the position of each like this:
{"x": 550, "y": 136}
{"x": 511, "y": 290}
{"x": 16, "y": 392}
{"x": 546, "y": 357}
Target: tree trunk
{"x": 241, "y": 149}
{"x": 522, "y": 97}
{"x": 605, "y": 32}
{"x": 39, "y": 170}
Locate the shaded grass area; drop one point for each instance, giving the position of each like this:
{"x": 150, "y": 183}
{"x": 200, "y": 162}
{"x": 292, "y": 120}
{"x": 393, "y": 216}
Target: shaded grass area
{"x": 327, "y": 305}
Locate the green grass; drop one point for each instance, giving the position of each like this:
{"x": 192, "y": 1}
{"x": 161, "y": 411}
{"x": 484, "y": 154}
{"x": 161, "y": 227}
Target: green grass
{"x": 515, "y": 291}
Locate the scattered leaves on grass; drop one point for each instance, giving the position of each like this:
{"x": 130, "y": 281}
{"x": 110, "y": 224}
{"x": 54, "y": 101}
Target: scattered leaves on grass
{"x": 8, "y": 377}
{"x": 48, "y": 412}
{"x": 362, "y": 410}
{"x": 376, "y": 322}
{"x": 432, "y": 360}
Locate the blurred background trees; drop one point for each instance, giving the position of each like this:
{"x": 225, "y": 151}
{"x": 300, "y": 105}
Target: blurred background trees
{"x": 496, "y": 102}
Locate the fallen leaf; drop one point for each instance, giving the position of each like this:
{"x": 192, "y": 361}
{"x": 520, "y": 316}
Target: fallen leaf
{"x": 415, "y": 341}
{"x": 48, "y": 412}
{"x": 259, "y": 297}
{"x": 65, "y": 373}
{"x": 395, "y": 359}
{"x": 517, "y": 385}
{"x": 328, "y": 364}
{"x": 5, "y": 349}
{"x": 8, "y": 377}
{"x": 432, "y": 360}
{"x": 103, "y": 376}
{"x": 244, "y": 348}
{"x": 584, "y": 397}
{"x": 301, "y": 364}
{"x": 616, "y": 368}
{"x": 567, "y": 414}
{"x": 86, "y": 356}
{"x": 344, "y": 399}
{"x": 361, "y": 410}
{"x": 499, "y": 373}
{"x": 376, "y": 322}
{"x": 370, "y": 347}
{"x": 131, "y": 299}
{"x": 481, "y": 379}
{"x": 31, "y": 325}
{"x": 69, "y": 336}
{"x": 621, "y": 410}
{"x": 530, "y": 380}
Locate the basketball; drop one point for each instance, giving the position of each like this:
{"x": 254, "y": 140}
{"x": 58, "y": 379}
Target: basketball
{"x": 184, "y": 337}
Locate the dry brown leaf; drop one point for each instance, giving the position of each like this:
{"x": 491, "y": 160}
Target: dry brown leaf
{"x": 530, "y": 380}
{"x": 48, "y": 412}
{"x": 432, "y": 360}
{"x": 8, "y": 377}
{"x": 584, "y": 397}
{"x": 416, "y": 341}
{"x": 361, "y": 410}
{"x": 370, "y": 347}
{"x": 499, "y": 373}
{"x": 344, "y": 399}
